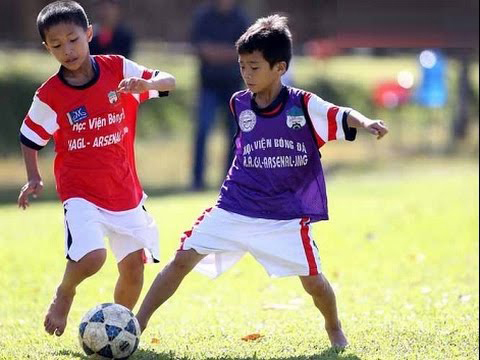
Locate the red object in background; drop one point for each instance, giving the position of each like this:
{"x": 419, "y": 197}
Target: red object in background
{"x": 390, "y": 94}
{"x": 105, "y": 37}
{"x": 321, "y": 48}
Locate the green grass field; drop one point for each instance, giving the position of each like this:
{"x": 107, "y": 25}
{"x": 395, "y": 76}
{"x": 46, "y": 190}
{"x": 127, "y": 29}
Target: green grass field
{"x": 401, "y": 250}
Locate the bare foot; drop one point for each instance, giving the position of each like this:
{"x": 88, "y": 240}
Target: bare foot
{"x": 56, "y": 318}
{"x": 337, "y": 338}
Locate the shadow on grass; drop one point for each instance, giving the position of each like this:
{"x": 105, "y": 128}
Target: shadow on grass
{"x": 72, "y": 354}
{"x": 329, "y": 354}
{"x": 141, "y": 354}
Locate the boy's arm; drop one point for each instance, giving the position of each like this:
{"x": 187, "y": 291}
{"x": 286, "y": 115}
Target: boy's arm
{"x": 39, "y": 125}
{"x": 161, "y": 82}
{"x": 34, "y": 185}
{"x": 331, "y": 122}
{"x": 375, "y": 127}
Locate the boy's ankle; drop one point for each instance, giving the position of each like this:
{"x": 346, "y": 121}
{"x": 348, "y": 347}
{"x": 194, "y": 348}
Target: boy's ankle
{"x": 65, "y": 291}
{"x": 333, "y": 326}
{"x": 143, "y": 325}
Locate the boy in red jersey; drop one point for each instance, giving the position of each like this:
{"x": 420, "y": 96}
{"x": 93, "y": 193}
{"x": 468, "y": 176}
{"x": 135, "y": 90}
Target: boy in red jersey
{"x": 90, "y": 108}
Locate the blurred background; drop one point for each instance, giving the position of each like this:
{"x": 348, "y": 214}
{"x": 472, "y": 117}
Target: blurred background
{"x": 413, "y": 64}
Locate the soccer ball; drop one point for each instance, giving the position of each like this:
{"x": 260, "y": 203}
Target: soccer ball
{"x": 109, "y": 331}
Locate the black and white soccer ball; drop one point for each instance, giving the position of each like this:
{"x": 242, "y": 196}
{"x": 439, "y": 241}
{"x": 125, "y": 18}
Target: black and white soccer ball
{"x": 109, "y": 331}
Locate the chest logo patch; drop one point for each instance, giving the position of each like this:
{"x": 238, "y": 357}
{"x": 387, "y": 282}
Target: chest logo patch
{"x": 296, "y": 122}
{"x": 295, "y": 118}
{"x": 247, "y": 120}
{"x": 77, "y": 115}
{"x": 112, "y": 97}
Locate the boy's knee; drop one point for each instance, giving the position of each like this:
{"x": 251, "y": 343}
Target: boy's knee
{"x": 183, "y": 262}
{"x": 316, "y": 285}
{"x": 93, "y": 261}
{"x": 132, "y": 267}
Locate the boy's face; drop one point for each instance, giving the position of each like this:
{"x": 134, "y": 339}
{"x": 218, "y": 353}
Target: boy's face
{"x": 68, "y": 43}
{"x": 257, "y": 73}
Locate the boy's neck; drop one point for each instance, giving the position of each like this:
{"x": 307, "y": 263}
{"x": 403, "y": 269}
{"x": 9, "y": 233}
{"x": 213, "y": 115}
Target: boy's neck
{"x": 83, "y": 75}
{"x": 267, "y": 96}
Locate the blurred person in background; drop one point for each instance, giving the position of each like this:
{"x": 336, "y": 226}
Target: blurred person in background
{"x": 110, "y": 35}
{"x": 216, "y": 27}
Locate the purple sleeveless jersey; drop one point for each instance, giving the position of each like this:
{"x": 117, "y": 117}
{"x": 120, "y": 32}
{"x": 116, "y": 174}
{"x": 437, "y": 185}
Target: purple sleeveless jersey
{"x": 276, "y": 172}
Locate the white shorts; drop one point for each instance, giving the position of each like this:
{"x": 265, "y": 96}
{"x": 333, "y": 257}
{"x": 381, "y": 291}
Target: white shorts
{"x": 283, "y": 247}
{"x": 86, "y": 225}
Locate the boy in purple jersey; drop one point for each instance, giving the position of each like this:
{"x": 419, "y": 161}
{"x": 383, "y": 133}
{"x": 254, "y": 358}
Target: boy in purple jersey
{"x": 275, "y": 187}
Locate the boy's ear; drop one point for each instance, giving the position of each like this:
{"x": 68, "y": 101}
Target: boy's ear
{"x": 89, "y": 33}
{"x": 281, "y": 67}
{"x": 46, "y": 46}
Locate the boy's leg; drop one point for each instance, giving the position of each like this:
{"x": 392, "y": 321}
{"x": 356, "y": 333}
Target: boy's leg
{"x": 130, "y": 280}
{"x": 75, "y": 273}
{"x": 324, "y": 299}
{"x": 166, "y": 283}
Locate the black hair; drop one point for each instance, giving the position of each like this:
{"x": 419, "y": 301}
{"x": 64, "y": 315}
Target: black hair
{"x": 269, "y": 35}
{"x": 59, "y": 12}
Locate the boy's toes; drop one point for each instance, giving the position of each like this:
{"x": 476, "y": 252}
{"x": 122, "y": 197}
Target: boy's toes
{"x": 49, "y": 327}
{"x": 339, "y": 348}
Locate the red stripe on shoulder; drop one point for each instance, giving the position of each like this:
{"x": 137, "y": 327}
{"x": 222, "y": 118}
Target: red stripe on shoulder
{"x": 37, "y": 129}
{"x": 305, "y": 100}
{"x": 332, "y": 123}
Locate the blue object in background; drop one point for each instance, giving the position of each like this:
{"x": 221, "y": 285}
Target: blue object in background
{"x": 432, "y": 91}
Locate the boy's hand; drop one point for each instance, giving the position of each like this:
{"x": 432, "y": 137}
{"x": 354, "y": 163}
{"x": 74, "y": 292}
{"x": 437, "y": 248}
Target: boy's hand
{"x": 376, "y": 127}
{"x": 134, "y": 85}
{"x": 33, "y": 187}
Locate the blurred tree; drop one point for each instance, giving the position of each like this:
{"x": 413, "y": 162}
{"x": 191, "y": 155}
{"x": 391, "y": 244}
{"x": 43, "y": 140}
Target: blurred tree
{"x": 17, "y": 92}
